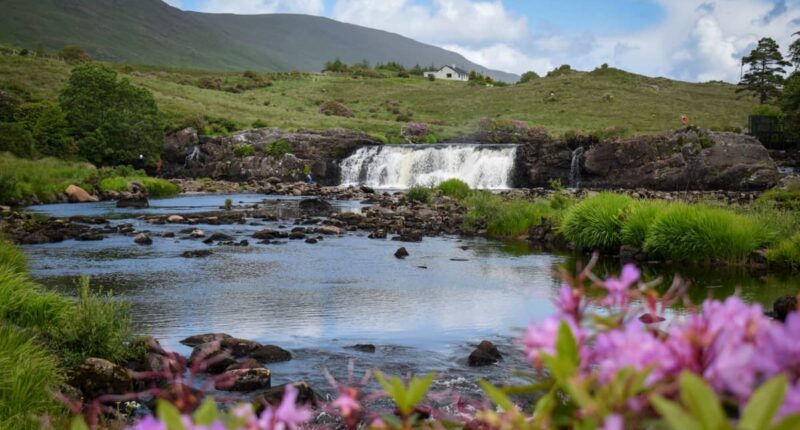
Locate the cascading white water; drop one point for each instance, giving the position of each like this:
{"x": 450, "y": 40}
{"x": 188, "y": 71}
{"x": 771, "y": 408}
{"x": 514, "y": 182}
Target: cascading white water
{"x": 403, "y": 166}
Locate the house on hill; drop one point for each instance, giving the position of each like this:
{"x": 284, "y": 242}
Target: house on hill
{"x": 450, "y": 73}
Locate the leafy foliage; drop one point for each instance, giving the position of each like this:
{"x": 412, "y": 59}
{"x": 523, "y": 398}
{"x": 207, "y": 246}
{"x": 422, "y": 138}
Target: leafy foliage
{"x": 279, "y": 148}
{"x": 74, "y": 54}
{"x": 244, "y": 150}
{"x": 112, "y": 120}
{"x": 16, "y": 140}
{"x": 455, "y": 188}
{"x": 419, "y": 194}
{"x": 528, "y": 76}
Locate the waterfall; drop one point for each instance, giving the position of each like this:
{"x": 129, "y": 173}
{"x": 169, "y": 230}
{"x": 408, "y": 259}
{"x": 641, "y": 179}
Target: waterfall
{"x": 575, "y": 168}
{"x": 403, "y": 166}
{"x": 193, "y": 157}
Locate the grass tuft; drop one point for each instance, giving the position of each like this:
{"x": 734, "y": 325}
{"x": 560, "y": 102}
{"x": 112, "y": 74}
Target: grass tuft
{"x": 638, "y": 219}
{"x": 455, "y": 188}
{"x": 786, "y": 252}
{"x": 419, "y": 194}
{"x": 596, "y": 222}
{"x": 699, "y": 232}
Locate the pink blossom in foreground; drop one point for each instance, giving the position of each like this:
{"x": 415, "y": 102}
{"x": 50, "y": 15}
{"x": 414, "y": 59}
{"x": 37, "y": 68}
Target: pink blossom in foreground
{"x": 541, "y": 338}
{"x": 630, "y": 347}
{"x": 618, "y": 287}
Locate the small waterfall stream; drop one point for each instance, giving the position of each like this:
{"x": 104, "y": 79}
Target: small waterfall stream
{"x": 403, "y": 166}
{"x": 575, "y": 168}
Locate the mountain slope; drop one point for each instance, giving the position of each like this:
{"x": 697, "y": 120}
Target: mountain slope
{"x": 152, "y": 32}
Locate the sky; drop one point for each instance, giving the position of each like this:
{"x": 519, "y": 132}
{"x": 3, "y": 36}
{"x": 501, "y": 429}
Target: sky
{"x": 691, "y": 40}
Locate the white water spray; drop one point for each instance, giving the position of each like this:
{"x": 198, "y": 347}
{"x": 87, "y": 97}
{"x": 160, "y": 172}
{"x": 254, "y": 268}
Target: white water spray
{"x": 403, "y": 166}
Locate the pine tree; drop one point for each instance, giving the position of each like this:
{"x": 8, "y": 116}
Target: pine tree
{"x": 794, "y": 51}
{"x": 765, "y": 72}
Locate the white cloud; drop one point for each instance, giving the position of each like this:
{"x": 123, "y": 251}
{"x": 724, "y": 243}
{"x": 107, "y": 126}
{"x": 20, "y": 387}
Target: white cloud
{"x": 248, "y": 7}
{"x": 441, "y": 22}
{"x": 175, "y": 3}
{"x": 501, "y": 56}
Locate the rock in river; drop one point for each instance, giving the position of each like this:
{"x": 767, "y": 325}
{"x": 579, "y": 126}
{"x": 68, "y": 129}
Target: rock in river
{"x": 401, "y": 253}
{"x": 200, "y": 339}
{"x": 485, "y": 354}
{"x": 315, "y": 206}
{"x": 244, "y": 380}
{"x": 197, "y": 253}
{"x": 142, "y": 239}
{"x": 270, "y": 354}
{"x": 362, "y": 347}
{"x": 134, "y": 202}
{"x": 76, "y": 194}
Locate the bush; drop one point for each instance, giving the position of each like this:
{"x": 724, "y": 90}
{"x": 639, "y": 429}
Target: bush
{"x": 455, "y": 188}
{"x": 30, "y": 376}
{"x": 596, "y": 222}
{"x": 699, "y": 232}
{"x": 244, "y": 150}
{"x": 8, "y": 106}
{"x": 766, "y": 110}
{"x": 419, "y": 194}
{"x": 514, "y": 218}
{"x": 278, "y": 148}
{"x": 112, "y": 121}
{"x": 73, "y": 54}
{"x": 783, "y": 198}
{"x": 210, "y": 83}
{"x": 528, "y": 76}
{"x": 638, "y": 218}
{"x": 786, "y": 252}
{"x": 415, "y": 132}
{"x": 16, "y": 140}
{"x": 334, "y": 108}
{"x": 48, "y": 126}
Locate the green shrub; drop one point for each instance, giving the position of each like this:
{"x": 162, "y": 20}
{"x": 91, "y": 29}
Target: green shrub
{"x": 117, "y": 184}
{"x": 783, "y": 198}
{"x": 244, "y": 150}
{"x": 699, "y": 232}
{"x": 419, "y": 194}
{"x": 16, "y": 140}
{"x": 455, "y": 188}
{"x": 74, "y": 54}
{"x": 638, "y": 218}
{"x": 278, "y": 148}
{"x": 766, "y": 110}
{"x": 596, "y": 222}
{"x": 28, "y": 380}
{"x": 112, "y": 120}
{"x": 48, "y": 126}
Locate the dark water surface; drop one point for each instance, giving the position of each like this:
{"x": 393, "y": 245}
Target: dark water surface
{"x": 315, "y": 299}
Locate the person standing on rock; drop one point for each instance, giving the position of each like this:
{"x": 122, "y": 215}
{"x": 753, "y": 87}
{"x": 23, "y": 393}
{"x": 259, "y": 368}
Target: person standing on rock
{"x": 307, "y": 171}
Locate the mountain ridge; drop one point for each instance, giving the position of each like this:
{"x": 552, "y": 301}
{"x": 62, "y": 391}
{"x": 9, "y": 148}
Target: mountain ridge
{"x": 153, "y": 32}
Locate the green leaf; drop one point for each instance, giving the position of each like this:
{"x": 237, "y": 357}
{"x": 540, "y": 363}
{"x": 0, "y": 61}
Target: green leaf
{"x": 78, "y": 424}
{"x": 567, "y": 349}
{"x": 207, "y": 413}
{"x": 790, "y": 422}
{"x": 764, "y": 404}
{"x": 169, "y": 415}
{"x": 418, "y": 388}
{"x": 674, "y": 415}
{"x": 701, "y": 401}
{"x": 496, "y": 395}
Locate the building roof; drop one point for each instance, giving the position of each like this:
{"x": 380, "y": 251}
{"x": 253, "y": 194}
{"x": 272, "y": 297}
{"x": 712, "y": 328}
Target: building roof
{"x": 456, "y": 69}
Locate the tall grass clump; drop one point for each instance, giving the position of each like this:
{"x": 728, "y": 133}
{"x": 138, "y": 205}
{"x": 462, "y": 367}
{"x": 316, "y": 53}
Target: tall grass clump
{"x": 783, "y": 198}
{"x": 419, "y": 194}
{"x": 22, "y": 303}
{"x": 29, "y": 375}
{"x": 12, "y": 258}
{"x": 638, "y": 219}
{"x": 455, "y": 188}
{"x": 155, "y": 187}
{"x": 699, "y": 232}
{"x": 504, "y": 218}
{"x": 786, "y": 253}
{"x": 24, "y": 180}
{"x": 96, "y": 326}
{"x": 596, "y": 222}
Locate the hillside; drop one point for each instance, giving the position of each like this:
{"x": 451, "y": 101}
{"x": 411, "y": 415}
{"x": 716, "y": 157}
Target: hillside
{"x": 152, "y": 32}
{"x": 585, "y": 101}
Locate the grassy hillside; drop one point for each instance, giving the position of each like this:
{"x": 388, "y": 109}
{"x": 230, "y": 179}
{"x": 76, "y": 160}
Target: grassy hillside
{"x": 152, "y": 32}
{"x": 585, "y": 101}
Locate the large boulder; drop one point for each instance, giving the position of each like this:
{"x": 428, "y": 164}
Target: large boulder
{"x": 484, "y": 354}
{"x": 76, "y": 194}
{"x": 96, "y": 377}
{"x": 686, "y": 159}
{"x": 270, "y": 354}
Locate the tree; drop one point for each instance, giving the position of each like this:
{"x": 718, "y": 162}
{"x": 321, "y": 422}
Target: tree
{"x": 765, "y": 72}
{"x": 112, "y": 121}
{"x": 794, "y": 51}
{"x": 528, "y": 76}
{"x": 790, "y": 104}
{"x": 74, "y": 54}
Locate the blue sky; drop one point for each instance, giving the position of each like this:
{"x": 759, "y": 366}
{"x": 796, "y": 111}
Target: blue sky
{"x": 694, "y": 40}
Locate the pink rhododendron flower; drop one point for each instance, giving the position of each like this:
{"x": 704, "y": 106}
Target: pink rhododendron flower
{"x": 614, "y": 422}
{"x": 149, "y": 423}
{"x": 346, "y": 402}
{"x": 568, "y": 301}
{"x": 618, "y": 287}
{"x": 541, "y": 338}
{"x": 631, "y": 347}
{"x": 287, "y": 415}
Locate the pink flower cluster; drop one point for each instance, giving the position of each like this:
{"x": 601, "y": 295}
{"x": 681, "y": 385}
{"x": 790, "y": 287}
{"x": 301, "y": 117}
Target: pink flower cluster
{"x": 731, "y": 344}
{"x": 287, "y": 416}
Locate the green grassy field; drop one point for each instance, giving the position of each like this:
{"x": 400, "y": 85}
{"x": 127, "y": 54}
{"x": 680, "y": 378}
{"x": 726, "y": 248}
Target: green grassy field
{"x": 587, "y": 101}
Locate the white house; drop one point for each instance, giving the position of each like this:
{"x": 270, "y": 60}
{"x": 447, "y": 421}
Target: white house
{"x": 450, "y": 73}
